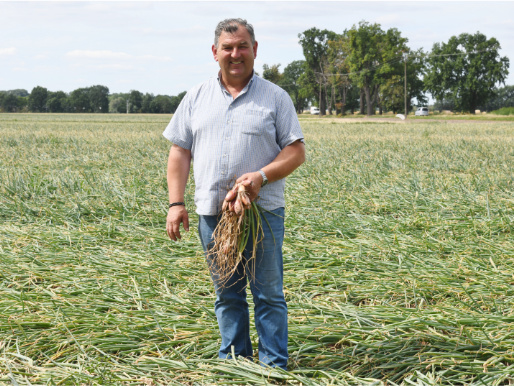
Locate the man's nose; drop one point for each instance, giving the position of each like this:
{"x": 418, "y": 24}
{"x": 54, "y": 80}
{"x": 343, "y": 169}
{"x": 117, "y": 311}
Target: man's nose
{"x": 235, "y": 53}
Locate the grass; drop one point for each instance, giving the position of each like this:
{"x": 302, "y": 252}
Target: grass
{"x": 398, "y": 257}
{"x": 504, "y": 111}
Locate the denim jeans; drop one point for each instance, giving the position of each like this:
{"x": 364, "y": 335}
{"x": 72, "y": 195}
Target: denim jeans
{"x": 266, "y": 285}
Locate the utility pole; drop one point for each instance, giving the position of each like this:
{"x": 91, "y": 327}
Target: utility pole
{"x": 405, "y": 83}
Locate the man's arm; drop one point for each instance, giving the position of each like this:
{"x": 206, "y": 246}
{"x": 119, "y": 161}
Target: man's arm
{"x": 179, "y": 163}
{"x": 283, "y": 165}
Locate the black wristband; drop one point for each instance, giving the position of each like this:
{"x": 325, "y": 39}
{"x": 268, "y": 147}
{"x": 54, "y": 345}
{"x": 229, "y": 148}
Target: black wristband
{"x": 176, "y": 204}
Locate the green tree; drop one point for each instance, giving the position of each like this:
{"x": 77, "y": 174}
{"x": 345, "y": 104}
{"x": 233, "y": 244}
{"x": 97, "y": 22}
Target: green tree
{"x": 19, "y": 92}
{"x": 374, "y": 56}
{"x": 57, "y": 102}
{"x": 503, "y": 97}
{"x": 136, "y": 101}
{"x": 37, "y": 99}
{"x": 79, "y": 101}
{"x": 146, "y": 103}
{"x": 11, "y": 103}
{"x": 352, "y": 98}
{"x": 337, "y": 70}
{"x": 290, "y": 82}
{"x": 161, "y": 104}
{"x": 308, "y": 86}
{"x": 392, "y": 90}
{"x": 98, "y": 99}
{"x": 3, "y": 94}
{"x": 466, "y": 69}
{"x": 314, "y": 43}
{"x": 118, "y": 104}
{"x": 175, "y": 101}
{"x": 272, "y": 73}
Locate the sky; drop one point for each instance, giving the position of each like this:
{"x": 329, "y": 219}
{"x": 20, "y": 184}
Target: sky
{"x": 164, "y": 47}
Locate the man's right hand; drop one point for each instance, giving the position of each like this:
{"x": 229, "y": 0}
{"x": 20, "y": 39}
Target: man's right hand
{"x": 176, "y": 215}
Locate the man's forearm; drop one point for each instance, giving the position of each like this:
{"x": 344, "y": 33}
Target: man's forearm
{"x": 179, "y": 163}
{"x": 286, "y": 162}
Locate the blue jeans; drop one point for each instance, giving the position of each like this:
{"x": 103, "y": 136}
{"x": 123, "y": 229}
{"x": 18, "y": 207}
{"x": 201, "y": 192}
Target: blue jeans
{"x": 266, "y": 283}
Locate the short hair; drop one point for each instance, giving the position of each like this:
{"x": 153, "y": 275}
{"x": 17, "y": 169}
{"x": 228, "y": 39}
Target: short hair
{"x": 231, "y": 26}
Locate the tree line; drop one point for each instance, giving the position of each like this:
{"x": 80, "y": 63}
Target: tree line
{"x": 364, "y": 69}
{"x": 370, "y": 70}
{"x": 94, "y": 99}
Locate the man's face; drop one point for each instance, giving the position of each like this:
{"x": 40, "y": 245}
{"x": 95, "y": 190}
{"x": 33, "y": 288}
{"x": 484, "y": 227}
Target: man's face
{"x": 235, "y": 55}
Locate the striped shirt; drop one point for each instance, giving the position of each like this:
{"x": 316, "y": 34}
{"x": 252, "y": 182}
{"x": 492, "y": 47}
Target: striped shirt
{"x": 229, "y": 137}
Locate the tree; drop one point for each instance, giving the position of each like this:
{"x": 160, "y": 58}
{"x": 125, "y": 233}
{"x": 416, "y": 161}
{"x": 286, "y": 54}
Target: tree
{"x": 272, "y": 73}
{"x": 11, "y": 103}
{"x": 118, "y": 104}
{"x": 161, "y": 104}
{"x": 314, "y": 43}
{"x": 37, "y": 99}
{"x": 175, "y": 101}
{"x": 503, "y": 97}
{"x": 136, "y": 101}
{"x": 337, "y": 69}
{"x": 146, "y": 103}
{"x": 392, "y": 91}
{"x": 466, "y": 69}
{"x": 19, "y": 92}
{"x": 79, "y": 101}
{"x": 57, "y": 102}
{"x": 98, "y": 99}
{"x": 308, "y": 86}
{"x": 290, "y": 82}
{"x": 374, "y": 57}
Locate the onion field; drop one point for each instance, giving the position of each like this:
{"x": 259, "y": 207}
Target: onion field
{"x": 399, "y": 257}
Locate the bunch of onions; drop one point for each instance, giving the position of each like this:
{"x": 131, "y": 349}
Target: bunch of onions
{"x": 240, "y": 220}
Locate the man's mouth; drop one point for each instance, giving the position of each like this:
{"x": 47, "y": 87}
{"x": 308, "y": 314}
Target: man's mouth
{"x": 236, "y": 62}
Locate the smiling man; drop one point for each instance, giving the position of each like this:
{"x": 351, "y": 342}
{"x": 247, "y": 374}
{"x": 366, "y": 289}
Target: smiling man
{"x": 238, "y": 127}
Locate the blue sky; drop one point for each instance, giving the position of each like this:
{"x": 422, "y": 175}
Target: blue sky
{"x": 164, "y": 47}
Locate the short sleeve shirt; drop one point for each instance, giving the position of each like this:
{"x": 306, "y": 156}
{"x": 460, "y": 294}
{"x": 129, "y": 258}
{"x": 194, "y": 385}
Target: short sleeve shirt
{"x": 229, "y": 137}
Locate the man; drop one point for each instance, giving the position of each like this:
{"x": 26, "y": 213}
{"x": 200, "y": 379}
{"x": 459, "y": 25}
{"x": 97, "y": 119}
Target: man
{"x": 238, "y": 125}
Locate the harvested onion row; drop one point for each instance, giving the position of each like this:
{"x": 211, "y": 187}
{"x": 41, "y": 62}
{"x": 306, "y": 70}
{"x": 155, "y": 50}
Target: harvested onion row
{"x": 240, "y": 220}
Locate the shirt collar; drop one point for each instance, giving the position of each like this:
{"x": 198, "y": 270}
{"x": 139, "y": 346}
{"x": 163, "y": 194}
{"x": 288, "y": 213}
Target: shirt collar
{"x": 244, "y": 90}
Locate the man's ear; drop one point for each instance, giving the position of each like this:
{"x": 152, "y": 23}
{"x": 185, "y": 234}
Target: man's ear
{"x": 255, "y": 50}
{"x": 215, "y": 52}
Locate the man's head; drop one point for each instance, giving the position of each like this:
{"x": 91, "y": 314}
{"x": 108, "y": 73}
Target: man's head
{"x": 231, "y": 26}
{"x": 235, "y": 50}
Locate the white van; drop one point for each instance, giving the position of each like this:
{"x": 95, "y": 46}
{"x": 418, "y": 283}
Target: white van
{"x": 314, "y": 110}
{"x": 421, "y": 111}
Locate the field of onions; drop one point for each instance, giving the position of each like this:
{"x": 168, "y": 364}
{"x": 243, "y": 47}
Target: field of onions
{"x": 399, "y": 257}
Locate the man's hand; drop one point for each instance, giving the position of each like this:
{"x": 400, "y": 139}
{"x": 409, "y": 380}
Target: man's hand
{"x": 252, "y": 182}
{"x": 176, "y": 215}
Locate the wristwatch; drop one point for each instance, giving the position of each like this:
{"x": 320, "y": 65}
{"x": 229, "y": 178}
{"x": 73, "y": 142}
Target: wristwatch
{"x": 264, "y": 178}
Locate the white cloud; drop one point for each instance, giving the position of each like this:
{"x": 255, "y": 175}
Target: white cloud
{"x": 114, "y": 67}
{"x": 113, "y": 55}
{"x": 7, "y": 51}
{"x": 99, "y": 54}
{"x": 156, "y": 58}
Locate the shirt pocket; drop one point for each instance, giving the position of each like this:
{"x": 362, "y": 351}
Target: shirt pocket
{"x": 254, "y": 122}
